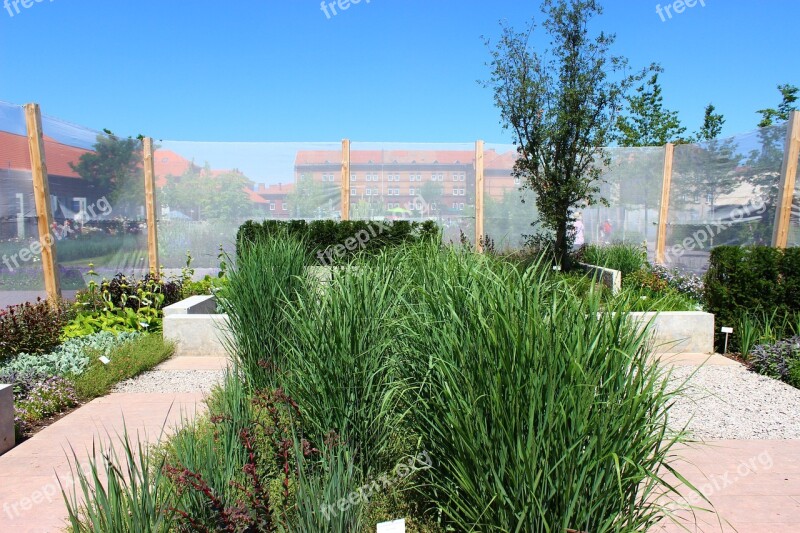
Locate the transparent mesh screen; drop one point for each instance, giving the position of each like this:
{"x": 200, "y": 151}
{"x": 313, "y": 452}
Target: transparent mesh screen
{"x": 205, "y": 191}
{"x": 416, "y": 182}
{"x": 508, "y": 211}
{"x": 794, "y": 220}
{"x": 631, "y": 186}
{"x": 97, "y": 196}
{"x": 21, "y": 277}
{"x": 723, "y": 191}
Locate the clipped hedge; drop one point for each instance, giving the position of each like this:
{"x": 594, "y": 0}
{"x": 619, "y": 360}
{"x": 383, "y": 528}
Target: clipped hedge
{"x": 752, "y": 279}
{"x": 330, "y": 241}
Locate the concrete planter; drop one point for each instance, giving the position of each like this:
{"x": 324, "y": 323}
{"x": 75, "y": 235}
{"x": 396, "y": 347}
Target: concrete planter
{"x": 7, "y": 437}
{"x": 679, "y": 331}
{"x": 195, "y": 327}
{"x": 198, "y": 331}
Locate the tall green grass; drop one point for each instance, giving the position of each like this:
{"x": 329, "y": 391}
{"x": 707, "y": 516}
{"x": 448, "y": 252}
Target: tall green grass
{"x": 265, "y": 278}
{"x": 538, "y": 406}
{"x": 627, "y": 258}
{"x": 539, "y": 415}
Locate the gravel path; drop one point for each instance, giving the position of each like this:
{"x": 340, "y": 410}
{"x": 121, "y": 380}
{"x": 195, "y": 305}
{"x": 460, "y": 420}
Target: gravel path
{"x": 172, "y": 381}
{"x": 730, "y": 402}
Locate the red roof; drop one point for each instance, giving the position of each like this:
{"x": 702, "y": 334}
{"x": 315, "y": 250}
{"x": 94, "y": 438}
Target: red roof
{"x": 255, "y": 197}
{"x": 14, "y": 155}
{"x": 168, "y": 163}
{"x": 387, "y": 157}
{"x": 275, "y": 189}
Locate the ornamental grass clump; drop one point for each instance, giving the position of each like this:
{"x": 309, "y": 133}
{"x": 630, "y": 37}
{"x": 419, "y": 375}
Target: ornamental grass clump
{"x": 541, "y": 414}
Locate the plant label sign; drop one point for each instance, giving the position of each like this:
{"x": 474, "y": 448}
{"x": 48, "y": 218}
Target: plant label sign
{"x": 395, "y": 526}
{"x": 727, "y": 330}
{"x": 105, "y": 360}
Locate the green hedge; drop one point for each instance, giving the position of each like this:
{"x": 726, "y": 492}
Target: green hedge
{"x": 330, "y": 241}
{"x": 752, "y": 279}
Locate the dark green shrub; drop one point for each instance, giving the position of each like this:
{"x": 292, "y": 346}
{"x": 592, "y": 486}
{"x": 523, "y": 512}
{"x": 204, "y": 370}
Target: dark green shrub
{"x": 33, "y": 328}
{"x": 752, "y": 280}
{"x": 330, "y": 241}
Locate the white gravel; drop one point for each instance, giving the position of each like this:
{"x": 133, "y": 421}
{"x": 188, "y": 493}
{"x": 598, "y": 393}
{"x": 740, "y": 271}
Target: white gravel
{"x": 730, "y": 402}
{"x": 172, "y": 381}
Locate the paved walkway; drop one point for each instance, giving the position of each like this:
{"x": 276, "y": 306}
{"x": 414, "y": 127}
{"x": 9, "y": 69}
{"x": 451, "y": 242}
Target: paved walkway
{"x": 753, "y": 485}
{"x": 30, "y": 496}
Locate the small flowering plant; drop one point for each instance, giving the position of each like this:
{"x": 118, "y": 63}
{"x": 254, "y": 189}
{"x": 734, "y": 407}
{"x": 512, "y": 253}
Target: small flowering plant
{"x": 43, "y": 400}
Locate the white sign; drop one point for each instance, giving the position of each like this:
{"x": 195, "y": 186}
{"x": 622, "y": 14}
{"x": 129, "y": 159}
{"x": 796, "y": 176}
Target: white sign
{"x": 105, "y": 360}
{"x": 395, "y": 526}
{"x": 727, "y": 330}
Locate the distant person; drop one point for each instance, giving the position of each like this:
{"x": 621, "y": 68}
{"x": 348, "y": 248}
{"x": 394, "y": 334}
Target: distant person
{"x": 577, "y": 229}
{"x": 605, "y": 231}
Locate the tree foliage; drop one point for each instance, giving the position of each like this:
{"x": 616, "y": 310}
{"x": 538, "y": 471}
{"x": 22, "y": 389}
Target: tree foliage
{"x": 771, "y": 115}
{"x": 561, "y": 107}
{"x": 647, "y": 122}
{"x": 114, "y": 167}
{"x": 205, "y": 195}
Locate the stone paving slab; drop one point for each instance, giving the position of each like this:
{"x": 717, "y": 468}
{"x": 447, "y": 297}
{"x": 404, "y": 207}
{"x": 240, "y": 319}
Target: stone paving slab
{"x": 754, "y": 486}
{"x": 30, "y": 496}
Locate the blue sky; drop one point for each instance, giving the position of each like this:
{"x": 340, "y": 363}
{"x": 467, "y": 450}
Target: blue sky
{"x": 387, "y": 70}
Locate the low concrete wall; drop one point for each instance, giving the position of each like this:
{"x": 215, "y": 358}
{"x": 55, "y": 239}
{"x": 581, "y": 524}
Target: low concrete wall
{"x": 609, "y": 277}
{"x": 7, "y": 438}
{"x": 196, "y": 335}
{"x": 679, "y": 331}
{"x": 194, "y": 305}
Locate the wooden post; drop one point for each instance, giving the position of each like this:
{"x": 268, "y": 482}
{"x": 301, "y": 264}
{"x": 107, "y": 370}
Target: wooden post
{"x": 345, "y": 179}
{"x": 150, "y": 204}
{"x": 41, "y": 195}
{"x": 661, "y": 239}
{"x": 780, "y": 233}
{"x": 479, "y": 196}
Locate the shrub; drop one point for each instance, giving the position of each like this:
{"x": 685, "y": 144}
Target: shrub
{"x": 321, "y": 236}
{"x": 752, "y": 280}
{"x": 627, "y": 258}
{"x": 32, "y": 327}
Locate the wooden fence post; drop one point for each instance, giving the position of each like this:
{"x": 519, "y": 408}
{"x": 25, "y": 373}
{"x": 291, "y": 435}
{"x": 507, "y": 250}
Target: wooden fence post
{"x": 345, "y": 179}
{"x": 780, "y": 233}
{"x": 661, "y": 239}
{"x": 479, "y": 205}
{"x": 150, "y": 204}
{"x": 41, "y": 195}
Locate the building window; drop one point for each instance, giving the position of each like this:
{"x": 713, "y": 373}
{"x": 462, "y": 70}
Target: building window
{"x": 272, "y": 206}
{"x": 353, "y": 177}
{"x": 285, "y": 206}
{"x": 461, "y": 206}
{"x": 516, "y": 181}
{"x": 353, "y": 192}
{"x": 412, "y": 191}
{"x": 369, "y": 192}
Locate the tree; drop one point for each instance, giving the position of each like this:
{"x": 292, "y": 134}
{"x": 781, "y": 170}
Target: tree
{"x": 787, "y": 105}
{"x": 311, "y": 199}
{"x": 561, "y": 107}
{"x": 712, "y": 125}
{"x": 708, "y": 170}
{"x": 765, "y": 163}
{"x": 115, "y": 168}
{"x": 647, "y": 122}
{"x": 207, "y": 195}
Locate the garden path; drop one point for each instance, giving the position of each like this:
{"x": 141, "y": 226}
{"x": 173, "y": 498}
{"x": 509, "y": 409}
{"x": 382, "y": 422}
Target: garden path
{"x": 30, "y": 496}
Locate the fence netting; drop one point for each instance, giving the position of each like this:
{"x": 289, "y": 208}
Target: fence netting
{"x": 206, "y": 190}
{"x": 415, "y": 182}
{"x": 97, "y": 197}
{"x": 724, "y": 191}
{"x": 21, "y": 277}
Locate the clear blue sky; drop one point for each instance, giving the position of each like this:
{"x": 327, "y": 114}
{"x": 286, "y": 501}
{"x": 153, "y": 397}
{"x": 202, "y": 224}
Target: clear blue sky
{"x": 387, "y": 70}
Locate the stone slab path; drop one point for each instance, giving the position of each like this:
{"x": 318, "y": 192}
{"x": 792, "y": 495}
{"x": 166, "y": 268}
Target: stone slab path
{"x": 30, "y": 496}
